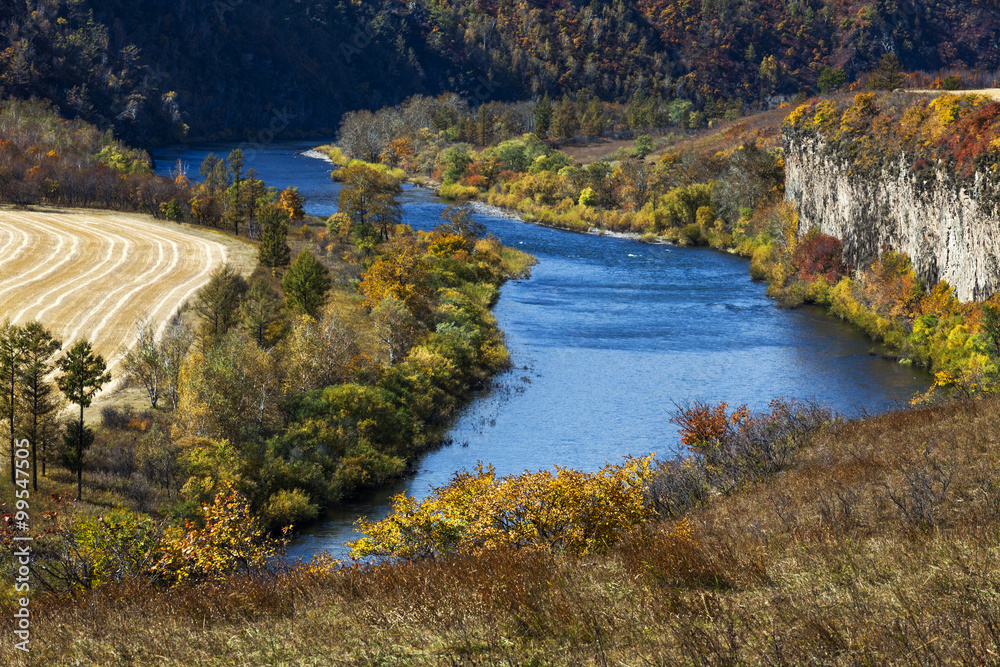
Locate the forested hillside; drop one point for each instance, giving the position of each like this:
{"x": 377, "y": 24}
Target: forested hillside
{"x": 244, "y": 69}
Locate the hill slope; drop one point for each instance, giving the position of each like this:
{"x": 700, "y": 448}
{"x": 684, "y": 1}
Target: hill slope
{"x": 877, "y": 546}
{"x": 247, "y": 68}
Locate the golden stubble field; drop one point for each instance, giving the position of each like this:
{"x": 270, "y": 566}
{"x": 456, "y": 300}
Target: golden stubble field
{"x": 93, "y": 274}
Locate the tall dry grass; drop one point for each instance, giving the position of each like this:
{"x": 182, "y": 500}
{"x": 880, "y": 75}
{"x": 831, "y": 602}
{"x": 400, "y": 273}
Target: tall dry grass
{"x": 878, "y": 545}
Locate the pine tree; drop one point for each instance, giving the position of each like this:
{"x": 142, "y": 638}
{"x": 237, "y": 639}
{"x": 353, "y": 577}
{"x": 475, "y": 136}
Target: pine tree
{"x": 83, "y": 376}
{"x": 12, "y": 358}
{"x": 306, "y": 284}
{"x": 218, "y": 304}
{"x": 274, "y": 250}
{"x": 260, "y": 309}
{"x": 888, "y": 75}
{"x": 36, "y": 391}
{"x": 543, "y": 118}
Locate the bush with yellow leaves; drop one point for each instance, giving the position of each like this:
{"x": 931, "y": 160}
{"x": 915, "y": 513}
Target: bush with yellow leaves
{"x": 230, "y": 539}
{"x": 563, "y": 510}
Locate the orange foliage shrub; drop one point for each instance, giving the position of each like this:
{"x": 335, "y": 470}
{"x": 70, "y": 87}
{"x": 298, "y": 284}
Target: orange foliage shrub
{"x": 891, "y": 289}
{"x": 702, "y": 424}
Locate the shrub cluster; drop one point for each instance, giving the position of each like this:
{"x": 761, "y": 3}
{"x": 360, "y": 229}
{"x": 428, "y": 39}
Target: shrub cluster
{"x": 729, "y": 451}
{"x": 563, "y": 511}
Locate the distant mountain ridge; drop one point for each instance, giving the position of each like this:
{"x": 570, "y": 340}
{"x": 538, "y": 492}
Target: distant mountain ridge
{"x": 234, "y": 69}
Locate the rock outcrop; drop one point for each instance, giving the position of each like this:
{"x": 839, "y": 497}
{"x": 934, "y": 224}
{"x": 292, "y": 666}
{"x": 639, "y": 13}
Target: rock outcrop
{"x": 947, "y": 228}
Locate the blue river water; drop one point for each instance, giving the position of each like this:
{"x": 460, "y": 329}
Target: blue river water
{"x": 606, "y": 337}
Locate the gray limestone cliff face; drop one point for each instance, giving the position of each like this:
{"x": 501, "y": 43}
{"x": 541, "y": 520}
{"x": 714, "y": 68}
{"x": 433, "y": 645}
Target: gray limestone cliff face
{"x": 943, "y": 228}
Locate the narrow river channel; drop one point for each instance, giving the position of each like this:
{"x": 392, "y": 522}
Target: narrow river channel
{"x": 606, "y": 336}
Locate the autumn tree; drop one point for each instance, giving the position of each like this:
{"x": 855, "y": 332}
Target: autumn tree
{"x": 36, "y": 390}
{"x": 753, "y": 176}
{"x": 369, "y": 198}
{"x": 83, "y": 375}
{"x": 395, "y": 327}
{"x": 458, "y": 219}
{"x": 174, "y": 346}
{"x": 291, "y": 202}
{"x": 306, "y": 284}
{"x": 365, "y": 135}
{"x": 230, "y": 538}
{"x": 230, "y": 391}
{"x": 274, "y": 251}
{"x": 210, "y": 204}
{"x": 560, "y": 511}
{"x": 155, "y": 364}
{"x": 631, "y": 181}
{"x": 891, "y": 288}
{"x": 143, "y": 362}
{"x": 400, "y": 149}
{"x": 820, "y": 255}
{"x": 399, "y": 272}
{"x": 601, "y": 181}
{"x": 317, "y": 353}
{"x": 253, "y": 197}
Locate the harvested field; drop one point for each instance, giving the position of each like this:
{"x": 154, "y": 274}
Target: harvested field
{"x": 93, "y": 274}
{"x": 992, "y": 93}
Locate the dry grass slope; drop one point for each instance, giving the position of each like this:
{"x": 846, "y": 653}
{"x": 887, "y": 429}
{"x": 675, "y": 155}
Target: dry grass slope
{"x": 880, "y": 546}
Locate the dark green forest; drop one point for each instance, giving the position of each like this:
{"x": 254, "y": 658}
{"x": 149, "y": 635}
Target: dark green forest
{"x": 161, "y": 71}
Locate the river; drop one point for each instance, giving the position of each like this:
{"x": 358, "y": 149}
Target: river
{"x": 606, "y": 336}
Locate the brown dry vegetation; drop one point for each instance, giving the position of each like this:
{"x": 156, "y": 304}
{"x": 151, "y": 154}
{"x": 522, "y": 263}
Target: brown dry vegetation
{"x": 585, "y": 153}
{"x": 878, "y": 546}
{"x": 764, "y": 128}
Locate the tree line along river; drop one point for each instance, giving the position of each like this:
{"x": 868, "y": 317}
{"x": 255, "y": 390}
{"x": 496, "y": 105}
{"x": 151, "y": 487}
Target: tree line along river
{"x": 606, "y": 336}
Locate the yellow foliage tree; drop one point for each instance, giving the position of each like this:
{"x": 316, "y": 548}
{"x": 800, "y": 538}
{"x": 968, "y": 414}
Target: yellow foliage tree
{"x": 231, "y": 391}
{"x": 446, "y": 245}
{"x": 232, "y": 539}
{"x": 290, "y": 201}
{"x": 399, "y": 272}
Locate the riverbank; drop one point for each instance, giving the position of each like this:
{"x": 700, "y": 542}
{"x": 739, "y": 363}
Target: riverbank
{"x": 324, "y": 406}
{"x": 727, "y": 194}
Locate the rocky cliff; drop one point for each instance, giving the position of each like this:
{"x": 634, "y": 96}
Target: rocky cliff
{"x": 949, "y": 227}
